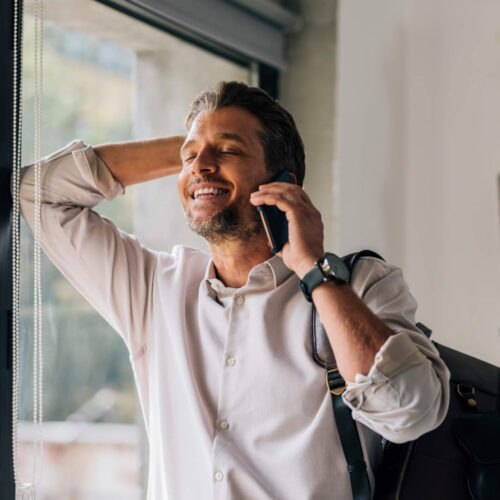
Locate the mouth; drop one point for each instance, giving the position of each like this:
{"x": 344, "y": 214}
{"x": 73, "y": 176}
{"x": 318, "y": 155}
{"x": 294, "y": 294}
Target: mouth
{"x": 208, "y": 193}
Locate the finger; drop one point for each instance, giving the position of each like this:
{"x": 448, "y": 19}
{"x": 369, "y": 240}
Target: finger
{"x": 275, "y": 199}
{"x": 289, "y": 200}
{"x": 280, "y": 190}
{"x": 282, "y": 187}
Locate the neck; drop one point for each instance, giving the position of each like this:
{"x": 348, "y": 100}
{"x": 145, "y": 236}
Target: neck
{"x": 234, "y": 260}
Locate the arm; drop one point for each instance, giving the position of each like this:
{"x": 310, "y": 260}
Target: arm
{"x": 406, "y": 390}
{"x": 141, "y": 161}
{"x": 397, "y": 383}
{"x": 355, "y": 333}
{"x": 107, "y": 266}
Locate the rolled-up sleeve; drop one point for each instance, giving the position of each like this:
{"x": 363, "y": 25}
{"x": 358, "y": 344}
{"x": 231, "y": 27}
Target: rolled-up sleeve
{"x": 406, "y": 392}
{"x": 108, "y": 267}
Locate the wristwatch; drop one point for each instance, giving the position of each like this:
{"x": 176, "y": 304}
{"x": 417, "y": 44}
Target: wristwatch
{"x": 328, "y": 268}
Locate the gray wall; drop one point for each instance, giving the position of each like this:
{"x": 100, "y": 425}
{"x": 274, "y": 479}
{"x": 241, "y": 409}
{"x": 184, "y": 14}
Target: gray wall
{"x": 308, "y": 92}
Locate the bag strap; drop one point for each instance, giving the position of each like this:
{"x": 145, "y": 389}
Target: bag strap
{"x": 349, "y": 438}
{"x": 348, "y": 432}
{"x": 321, "y": 350}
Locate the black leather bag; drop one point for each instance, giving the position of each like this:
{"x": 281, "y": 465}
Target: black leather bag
{"x": 460, "y": 460}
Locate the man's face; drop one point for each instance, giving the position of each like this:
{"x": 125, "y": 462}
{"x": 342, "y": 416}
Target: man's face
{"x": 223, "y": 162}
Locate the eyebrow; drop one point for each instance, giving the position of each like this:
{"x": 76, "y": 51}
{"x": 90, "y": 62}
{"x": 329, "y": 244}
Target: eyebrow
{"x": 232, "y": 137}
{"x": 223, "y": 135}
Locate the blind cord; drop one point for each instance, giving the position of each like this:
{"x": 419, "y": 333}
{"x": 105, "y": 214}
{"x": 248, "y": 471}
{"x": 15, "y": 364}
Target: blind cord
{"x": 16, "y": 168}
{"x": 27, "y": 491}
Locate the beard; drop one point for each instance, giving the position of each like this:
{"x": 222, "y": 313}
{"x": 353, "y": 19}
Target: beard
{"x": 227, "y": 225}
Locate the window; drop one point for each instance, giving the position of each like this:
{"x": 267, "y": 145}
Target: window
{"x": 109, "y": 75}
{"x": 101, "y": 88}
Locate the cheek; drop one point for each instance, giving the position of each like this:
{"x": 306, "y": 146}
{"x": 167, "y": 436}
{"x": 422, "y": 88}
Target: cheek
{"x": 181, "y": 188}
{"x": 182, "y": 183}
{"x": 255, "y": 181}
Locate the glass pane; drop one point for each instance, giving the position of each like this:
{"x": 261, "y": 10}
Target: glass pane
{"x": 107, "y": 78}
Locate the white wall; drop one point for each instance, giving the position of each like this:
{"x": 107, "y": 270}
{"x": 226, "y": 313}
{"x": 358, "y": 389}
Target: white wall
{"x": 419, "y": 155}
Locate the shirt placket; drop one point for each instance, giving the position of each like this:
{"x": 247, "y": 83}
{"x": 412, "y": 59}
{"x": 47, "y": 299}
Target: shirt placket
{"x": 226, "y": 427}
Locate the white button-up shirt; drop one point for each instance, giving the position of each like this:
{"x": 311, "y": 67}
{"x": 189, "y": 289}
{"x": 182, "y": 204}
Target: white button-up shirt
{"x": 234, "y": 405}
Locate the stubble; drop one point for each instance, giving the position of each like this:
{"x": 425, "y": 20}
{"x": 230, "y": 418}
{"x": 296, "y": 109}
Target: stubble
{"x": 227, "y": 225}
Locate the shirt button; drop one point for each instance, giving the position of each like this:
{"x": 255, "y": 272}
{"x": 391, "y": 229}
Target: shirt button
{"x": 219, "y": 476}
{"x": 230, "y": 361}
{"x": 240, "y": 300}
{"x": 224, "y": 425}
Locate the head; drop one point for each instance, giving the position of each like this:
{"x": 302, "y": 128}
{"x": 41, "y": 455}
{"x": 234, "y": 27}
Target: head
{"x": 238, "y": 138}
{"x": 278, "y": 134}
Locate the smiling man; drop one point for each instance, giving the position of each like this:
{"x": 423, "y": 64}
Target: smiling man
{"x": 221, "y": 171}
{"x": 234, "y": 405}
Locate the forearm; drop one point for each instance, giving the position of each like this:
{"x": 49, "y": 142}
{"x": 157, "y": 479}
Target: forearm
{"x": 354, "y": 332}
{"x": 398, "y": 385}
{"x": 141, "y": 161}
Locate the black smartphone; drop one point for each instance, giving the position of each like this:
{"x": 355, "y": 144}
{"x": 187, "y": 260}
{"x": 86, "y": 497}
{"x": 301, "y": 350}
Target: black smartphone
{"x": 274, "y": 220}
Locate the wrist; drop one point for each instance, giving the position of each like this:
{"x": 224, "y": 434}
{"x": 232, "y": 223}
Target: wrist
{"x": 327, "y": 268}
{"x": 306, "y": 265}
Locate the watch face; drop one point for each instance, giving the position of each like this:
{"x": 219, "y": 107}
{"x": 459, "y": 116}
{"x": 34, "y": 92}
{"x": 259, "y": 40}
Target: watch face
{"x": 334, "y": 266}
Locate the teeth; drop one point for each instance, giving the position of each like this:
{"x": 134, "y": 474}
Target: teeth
{"x": 214, "y": 191}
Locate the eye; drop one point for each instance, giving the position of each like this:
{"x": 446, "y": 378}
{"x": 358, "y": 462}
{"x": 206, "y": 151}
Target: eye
{"x": 228, "y": 152}
{"x": 189, "y": 157}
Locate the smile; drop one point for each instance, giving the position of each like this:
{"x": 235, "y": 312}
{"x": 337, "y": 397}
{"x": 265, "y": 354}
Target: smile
{"x": 208, "y": 193}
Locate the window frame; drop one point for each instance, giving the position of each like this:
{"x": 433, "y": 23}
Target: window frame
{"x": 268, "y": 79}
{"x": 7, "y": 487}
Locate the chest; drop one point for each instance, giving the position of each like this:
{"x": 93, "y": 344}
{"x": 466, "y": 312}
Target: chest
{"x": 252, "y": 353}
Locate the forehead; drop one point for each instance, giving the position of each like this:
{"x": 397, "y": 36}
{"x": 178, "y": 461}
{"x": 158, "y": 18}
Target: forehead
{"x": 229, "y": 123}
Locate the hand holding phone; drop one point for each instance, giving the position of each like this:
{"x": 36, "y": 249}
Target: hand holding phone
{"x": 274, "y": 219}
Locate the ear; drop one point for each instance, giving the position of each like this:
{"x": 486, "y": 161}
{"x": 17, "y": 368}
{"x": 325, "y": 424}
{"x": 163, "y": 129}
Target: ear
{"x": 294, "y": 177}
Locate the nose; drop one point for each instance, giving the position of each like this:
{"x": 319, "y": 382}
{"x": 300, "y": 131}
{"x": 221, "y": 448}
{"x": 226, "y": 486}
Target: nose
{"x": 204, "y": 164}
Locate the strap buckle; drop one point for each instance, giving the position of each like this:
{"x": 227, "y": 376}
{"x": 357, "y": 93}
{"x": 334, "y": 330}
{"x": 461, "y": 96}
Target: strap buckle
{"x": 468, "y": 393}
{"x": 335, "y": 383}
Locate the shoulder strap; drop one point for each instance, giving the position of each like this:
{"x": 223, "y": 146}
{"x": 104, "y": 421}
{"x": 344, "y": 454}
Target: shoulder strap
{"x": 348, "y": 432}
{"x": 351, "y": 259}
{"x": 349, "y": 438}
{"x": 321, "y": 350}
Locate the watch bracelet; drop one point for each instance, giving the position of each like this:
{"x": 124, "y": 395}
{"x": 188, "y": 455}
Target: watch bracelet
{"x": 317, "y": 266}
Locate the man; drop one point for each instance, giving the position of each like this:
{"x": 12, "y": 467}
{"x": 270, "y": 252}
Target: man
{"x": 234, "y": 405}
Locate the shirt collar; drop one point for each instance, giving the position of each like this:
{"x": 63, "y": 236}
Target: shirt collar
{"x": 278, "y": 269}
{"x": 269, "y": 274}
